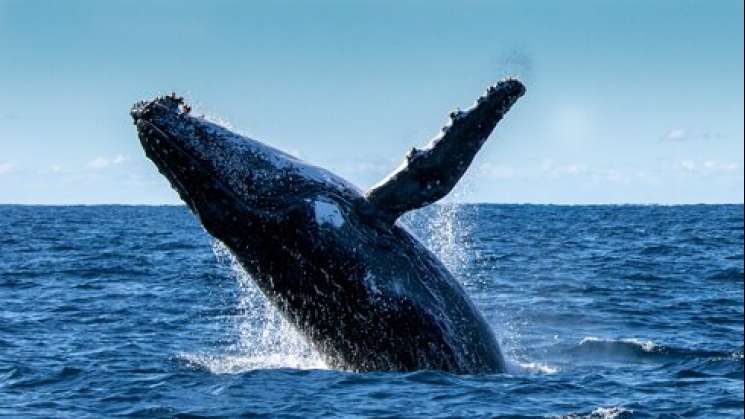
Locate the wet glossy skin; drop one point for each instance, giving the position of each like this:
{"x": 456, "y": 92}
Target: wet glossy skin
{"x": 362, "y": 289}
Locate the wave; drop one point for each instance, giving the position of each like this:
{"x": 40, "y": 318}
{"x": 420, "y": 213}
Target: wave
{"x": 527, "y": 367}
{"x": 615, "y": 412}
{"x": 731, "y": 274}
{"x": 176, "y": 245}
{"x": 639, "y": 349}
{"x": 660, "y": 250}
{"x": 634, "y": 343}
{"x": 643, "y": 277}
{"x": 61, "y": 374}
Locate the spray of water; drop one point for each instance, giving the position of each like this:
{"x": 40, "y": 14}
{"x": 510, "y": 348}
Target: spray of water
{"x": 445, "y": 232}
{"x": 265, "y": 339}
{"x": 448, "y": 231}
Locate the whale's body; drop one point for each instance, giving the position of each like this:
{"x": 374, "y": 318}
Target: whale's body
{"x": 334, "y": 261}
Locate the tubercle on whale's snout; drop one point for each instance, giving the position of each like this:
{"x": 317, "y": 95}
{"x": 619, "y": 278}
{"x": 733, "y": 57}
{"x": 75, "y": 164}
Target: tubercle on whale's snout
{"x": 147, "y": 109}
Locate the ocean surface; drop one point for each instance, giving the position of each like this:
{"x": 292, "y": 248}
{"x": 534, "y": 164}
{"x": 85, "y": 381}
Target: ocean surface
{"x": 602, "y": 312}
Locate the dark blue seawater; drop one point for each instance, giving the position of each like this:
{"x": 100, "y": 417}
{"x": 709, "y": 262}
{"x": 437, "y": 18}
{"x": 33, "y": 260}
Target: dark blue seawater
{"x": 603, "y": 312}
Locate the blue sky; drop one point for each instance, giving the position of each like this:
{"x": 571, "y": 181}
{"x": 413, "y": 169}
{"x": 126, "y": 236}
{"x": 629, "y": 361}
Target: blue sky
{"x": 628, "y": 101}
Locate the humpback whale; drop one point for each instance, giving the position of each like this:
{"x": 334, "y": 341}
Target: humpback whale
{"x": 331, "y": 258}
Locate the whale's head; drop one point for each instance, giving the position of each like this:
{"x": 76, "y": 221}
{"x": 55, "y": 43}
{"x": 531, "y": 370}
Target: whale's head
{"x": 232, "y": 183}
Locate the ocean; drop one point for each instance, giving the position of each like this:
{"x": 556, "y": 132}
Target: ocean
{"x": 601, "y": 311}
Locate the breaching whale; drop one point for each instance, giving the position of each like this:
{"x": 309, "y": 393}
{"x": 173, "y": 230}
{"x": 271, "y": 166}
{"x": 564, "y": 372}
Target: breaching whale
{"x": 333, "y": 260}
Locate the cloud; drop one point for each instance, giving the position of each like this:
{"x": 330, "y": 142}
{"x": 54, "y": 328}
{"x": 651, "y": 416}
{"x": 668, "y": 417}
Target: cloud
{"x": 548, "y": 170}
{"x": 374, "y": 167}
{"x": 682, "y": 134}
{"x": 575, "y": 169}
{"x": 585, "y": 174}
{"x": 495, "y": 171}
{"x": 6, "y": 168}
{"x": 53, "y": 169}
{"x": 103, "y": 162}
{"x": 676, "y": 134}
{"x": 551, "y": 170}
{"x": 367, "y": 167}
{"x": 711, "y": 135}
{"x": 709, "y": 167}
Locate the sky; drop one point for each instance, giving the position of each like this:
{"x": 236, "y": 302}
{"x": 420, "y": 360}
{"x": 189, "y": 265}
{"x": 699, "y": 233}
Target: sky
{"x": 628, "y": 101}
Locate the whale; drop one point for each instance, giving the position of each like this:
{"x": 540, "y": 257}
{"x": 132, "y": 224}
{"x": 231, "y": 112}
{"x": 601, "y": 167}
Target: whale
{"x": 334, "y": 260}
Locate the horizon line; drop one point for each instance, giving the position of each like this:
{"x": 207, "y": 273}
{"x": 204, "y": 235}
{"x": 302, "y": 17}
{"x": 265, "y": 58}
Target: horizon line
{"x": 526, "y": 203}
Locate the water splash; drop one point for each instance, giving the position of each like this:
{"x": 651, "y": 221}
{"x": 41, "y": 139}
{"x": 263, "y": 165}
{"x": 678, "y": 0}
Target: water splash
{"x": 447, "y": 229}
{"x": 265, "y": 339}
{"x": 520, "y": 368}
{"x": 613, "y": 412}
{"x": 634, "y": 343}
{"x": 236, "y": 364}
{"x": 445, "y": 232}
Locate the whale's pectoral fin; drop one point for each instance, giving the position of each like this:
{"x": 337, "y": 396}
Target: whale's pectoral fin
{"x": 430, "y": 173}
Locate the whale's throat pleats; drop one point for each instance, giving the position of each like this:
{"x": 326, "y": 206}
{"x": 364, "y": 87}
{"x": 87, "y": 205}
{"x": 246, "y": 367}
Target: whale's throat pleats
{"x": 429, "y": 174}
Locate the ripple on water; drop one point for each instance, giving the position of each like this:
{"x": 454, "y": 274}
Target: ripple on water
{"x": 604, "y": 312}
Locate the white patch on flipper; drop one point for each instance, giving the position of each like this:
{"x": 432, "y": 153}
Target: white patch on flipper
{"x": 328, "y": 213}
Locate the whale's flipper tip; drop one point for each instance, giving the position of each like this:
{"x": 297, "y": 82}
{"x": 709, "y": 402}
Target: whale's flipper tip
{"x": 430, "y": 173}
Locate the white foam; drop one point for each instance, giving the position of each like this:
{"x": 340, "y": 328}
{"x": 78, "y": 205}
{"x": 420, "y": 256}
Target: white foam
{"x": 644, "y": 345}
{"x": 613, "y": 412}
{"x": 265, "y": 339}
{"x": 236, "y": 364}
{"x": 514, "y": 367}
